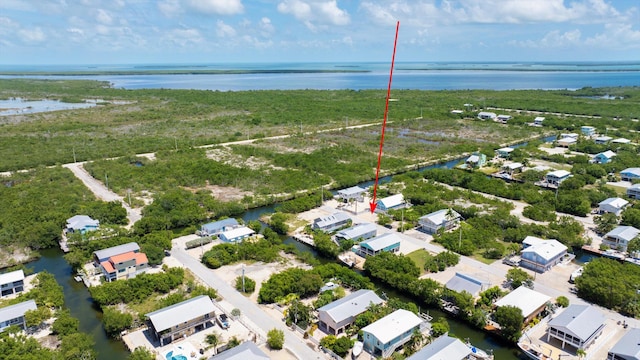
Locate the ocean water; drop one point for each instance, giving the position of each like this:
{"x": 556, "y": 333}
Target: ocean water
{"x": 355, "y": 76}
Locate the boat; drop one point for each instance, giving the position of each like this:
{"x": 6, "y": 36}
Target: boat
{"x": 77, "y": 278}
{"x": 533, "y": 352}
{"x": 357, "y": 349}
{"x": 347, "y": 259}
{"x": 477, "y": 353}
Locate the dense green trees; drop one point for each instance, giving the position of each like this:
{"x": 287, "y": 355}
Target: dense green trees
{"x": 138, "y": 288}
{"x": 339, "y": 345}
{"x": 324, "y": 245}
{"x": 246, "y": 284}
{"x": 114, "y": 321}
{"x": 291, "y": 281}
{"x": 441, "y": 261}
{"x": 300, "y": 314}
{"x": 511, "y": 320}
{"x": 518, "y": 277}
{"x": 141, "y": 353}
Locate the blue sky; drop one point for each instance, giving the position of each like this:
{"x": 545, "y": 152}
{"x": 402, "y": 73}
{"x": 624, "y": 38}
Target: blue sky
{"x": 223, "y": 31}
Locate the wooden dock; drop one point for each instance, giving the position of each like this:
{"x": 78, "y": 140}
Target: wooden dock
{"x": 305, "y": 239}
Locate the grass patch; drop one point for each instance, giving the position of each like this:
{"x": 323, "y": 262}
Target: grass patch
{"x": 620, "y": 190}
{"x": 420, "y": 258}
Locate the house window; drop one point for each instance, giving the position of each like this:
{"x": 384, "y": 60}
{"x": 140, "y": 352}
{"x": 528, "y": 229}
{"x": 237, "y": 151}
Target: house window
{"x": 206, "y": 316}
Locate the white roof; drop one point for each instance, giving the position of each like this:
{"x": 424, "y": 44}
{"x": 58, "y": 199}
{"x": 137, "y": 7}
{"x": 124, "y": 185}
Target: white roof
{"x": 11, "y": 277}
{"x": 462, "y": 282}
{"x": 580, "y": 320}
{"x": 393, "y": 325}
{"x": 443, "y": 348}
{"x": 380, "y": 242}
{"x": 616, "y": 202}
{"x": 623, "y": 232}
{"x": 176, "y": 314}
{"x": 354, "y": 190}
{"x": 546, "y": 249}
{"x": 358, "y": 231}
{"x": 486, "y": 113}
{"x": 440, "y": 216}
{"x": 608, "y": 154}
{"x": 331, "y": 219}
{"x": 80, "y": 221}
{"x": 505, "y": 149}
{"x": 17, "y": 310}
{"x": 350, "y": 306}
{"x": 604, "y": 138}
{"x": 621, "y": 141}
{"x": 457, "y": 111}
{"x": 634, "y": 171}
{"x": 502, "y": 116}
{"x": 513, "y": 166}
{"x": 237, "y": 232}
{"x": 524, "y": 299}
{"x": 392, "y": 201}
{"x": 245, "y": 351}
{"x": 539, "y": 118}
{"x": 567, "y": 140}
{"x": 558, "y": 173}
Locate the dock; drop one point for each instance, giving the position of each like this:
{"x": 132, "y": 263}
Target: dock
{"x": 304, "y": 238}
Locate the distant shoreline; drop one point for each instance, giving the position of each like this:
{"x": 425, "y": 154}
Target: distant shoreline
{"x": 174, "y": 72}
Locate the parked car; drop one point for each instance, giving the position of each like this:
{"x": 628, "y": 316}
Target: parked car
{"x": 223, "y": 321}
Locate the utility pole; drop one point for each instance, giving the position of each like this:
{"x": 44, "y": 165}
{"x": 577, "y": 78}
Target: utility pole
{"x": 243, "y": 278}
{"x": 106, "y": 180}
{"x": 74, "y": 154}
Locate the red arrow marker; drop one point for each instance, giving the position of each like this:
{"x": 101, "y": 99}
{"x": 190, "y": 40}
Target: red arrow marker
{"x": 372, "y": 204}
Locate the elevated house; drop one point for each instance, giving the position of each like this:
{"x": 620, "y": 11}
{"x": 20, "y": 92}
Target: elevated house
{"x": 555, "y": 178}
{"x": 389, "y": 242}
{"x": 445, "y": 348}
{"x": 541, "y": 255}
{"x": 358, "y": 232}
{"x": 539, "y": 120}
{"x": 182, "y": 319}
{"x": 335, "y": 317}
{"x": 569, "y": 135}
{"x": 565, "y": 142}
{"x": 602, "y": 140}
{"x": 331, "y": 222}
{"x": 619, "y": 237}
{"x": 11, "y": 283}
{"x": 621, "y": 141}
{"x": 627, "y": 348}
{"x": 104, "y": 254}
{"x": 504, "y": 152}
{"x": 530, "y": 302}
{"x": 442, "y": 219}
{"x": 577, "y": 325}
{"x": 13, "y": 315}
{"x": 463, "y": 282}
{"x": 236, "y": 234}
{"x": 485, "y": 115}
{"x": 386, "y": 335}
{"x": 512, "y": 168}
{"x": 503, "y": 118}
{"x": 604, "y": 157}
{"x": 634, "y": 191}
{"x": 393, "y": 202}
{"x": 588, "y": 130}
{"x": 124, "y": 266}
{"x": 245, "y": 351}
{"x": 353, "y": 193}
{"x": 217, "y": 227}
{"x": 612, "y": 205}
{"x": 476, "y": 160}
{"x": 630, "y": 174}
{"x": 81, "y": 224}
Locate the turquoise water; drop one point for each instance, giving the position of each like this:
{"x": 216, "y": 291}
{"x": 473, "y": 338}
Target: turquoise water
{"x": 170, "y": 356}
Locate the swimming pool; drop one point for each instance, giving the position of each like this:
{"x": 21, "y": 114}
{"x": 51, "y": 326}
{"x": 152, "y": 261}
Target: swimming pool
{"x": 181, "y": 352}
{"x": 170, "y": 356}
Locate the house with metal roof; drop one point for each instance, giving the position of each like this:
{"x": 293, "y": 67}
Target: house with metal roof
{"x": 538, "y": 120}
{"x": 463, "y": 282}
{"x": 182, "y": 319}
{"x": 11, "y": 283}
{"x": 353, "y": 193}
{"x": 588, "y": 130}
{"x": 504, "y": 152}
{"x": 389, "y": 242}
{"x": 245, "y": 351}
{"x": 335, "y": 317}
{"x": 442, "y": 219}
{"x": 555, "y": 178}
{"x": 630, "y": 174}
{"x": 443, "y": 348}
{"x": 619, "y": 237}
{"x": 104, "y": 254}
{"x": 577, "y": 325}
{"x": 602, "y": 140}
{"x": 393, "y": 202}
{"x": 513, "y": 167}
{"x": 485, "y": 115}
{"x": 331, "y": 222}
{"x": 565, "y": 142}
{"x": 613, "y": 205}
{"x": 236, "y": 234}
{"x": 476, "y": 160}
{"x": 81, "y": 224}
{"x": 217, "y": 227}
{"x": 627, "y": 348}
{"x": 541, "y": 255}
{"x": 503, "y": 118}
{"x": 530, "y": 302}
{"x": 358, "y": 232}
{"x": 604, "y": 157}
{"x": 386, "y": 335}
{"x": 621, "y": 141}
{"x": 14, "y": 314}
{"x": 633, "y": 191}
{"x": 124, "y": 266}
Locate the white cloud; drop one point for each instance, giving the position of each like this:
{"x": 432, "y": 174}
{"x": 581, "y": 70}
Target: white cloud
{"x": 224, "y": 30}
{"x": 183, "y": 37}
{"x": 103, "y": 17}
{"x": 315, "y": 12}
{"x": 170, "y": 8}
{"x": 617, "y": 36}
{"x": 266, "y": 27}
{"x": 35, "y": 35}
{"x": 220, "y": 7}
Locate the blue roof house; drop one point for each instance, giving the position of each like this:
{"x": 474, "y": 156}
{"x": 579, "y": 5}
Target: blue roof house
{"x": 386, "y": 335}
{"x": 504, "y": 152}
{"x": 389, "y": 242}
{"x": 630, "y": 174}
{"x": 217, "y": 227}
{"x": 604, "y": 157}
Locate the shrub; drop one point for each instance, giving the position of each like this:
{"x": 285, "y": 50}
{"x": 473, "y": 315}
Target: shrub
{"x": 249, "y": 285}
{"x": 275, "y": 339}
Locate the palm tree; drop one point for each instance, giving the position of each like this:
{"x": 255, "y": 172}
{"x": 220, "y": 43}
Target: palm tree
{"x": 213, "y": 339}
{"x": 581, "y": 353}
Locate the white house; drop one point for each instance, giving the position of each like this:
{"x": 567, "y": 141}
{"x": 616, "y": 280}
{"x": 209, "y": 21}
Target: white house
{"x": 569, "y": 135}
{"x": 627, "y": 348}
{"x": 588, "y": 130}
{"x": 463, "y": 282}
{"x": 503, "y": 118}
{"x": 555, "y": 178}
{"x": 538, "y": 120}
{"x": 530, "y": 302}
{"x": 393, "y": 202}
{"x": 612, "y": 205}
{"x": 566, "y": 142}
{"x": 335, "y": 317}
{"x": 484, "y": 115}
{"x": 389, "y": 242}
{"x": 237, "y": 234}
{"x": 384, "y": 336}
{"x": 14, "y": 314}
{"x": 11, "y": 283}
{"x": 182, "y": 319}
{"x": 442, "y": 219}
{"x": 358, "y": 232}
{"x": 621, "y": 141}
{"x": 353, "y": 193}
{"x": 443, "y": 348}
{"x": 248, "y": 350}
{"x": 577, "y": 325}
{"x": 619, "y": 237}
{"x": 504, "y": 152}
{"x": 331, "y": 222}
{"x": 81, "y": 224}
{"x": 217, "y": 227}
{"x": 541, "y": 255}
{"x": 634, "y": 191}
{"x": 630, "y": 174}
{"x": 601, "y": 140}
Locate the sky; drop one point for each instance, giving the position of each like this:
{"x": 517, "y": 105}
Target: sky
{"x": 53, "y": 32}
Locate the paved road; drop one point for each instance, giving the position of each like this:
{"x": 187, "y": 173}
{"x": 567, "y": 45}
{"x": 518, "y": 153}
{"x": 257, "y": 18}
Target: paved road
{"x": 249, "y": 309}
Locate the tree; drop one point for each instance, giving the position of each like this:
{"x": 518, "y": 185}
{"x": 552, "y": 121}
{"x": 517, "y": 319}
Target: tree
{"x": 213, "y": 339}
{"x": 562, "y": 301}
{"x": 581, "y": 353}
{"x": 34, "y": 318}
{"x": 299, "y": 314}
{"x": 233, "y": 342}
{"x": 249, "y": 284}
{"x": 114, "y": 321}
{"x": 439, "y": 327}
{"x": 78, "y": 346}
{"x": 510, "y": 319}
{"x": 633, "y": 247}
{"x": 605, "y": 222}
{"x": 141, "y": 353}
{"x": 275, "y": 339}
{"x": 517, "y": 277}
{"x": 325, "y": 246}
{"x": 65, "y": 324}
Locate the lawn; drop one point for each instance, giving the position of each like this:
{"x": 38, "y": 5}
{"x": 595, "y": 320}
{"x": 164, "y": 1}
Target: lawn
{"x": 420, "y": 257}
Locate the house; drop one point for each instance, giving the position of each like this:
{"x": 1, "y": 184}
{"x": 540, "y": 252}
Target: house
{"x": 457, "y": 112}
{"x": 335, "y": 317}
{"x": 566, "y": 142}
{"x": 541, "y": 255}
{"x": 484, "y": 115}
{"x": 630, "y": 174}
{"x": 245, "y": 351}
{"x": 538, "y": 120}
{"x": 217, "y": 227}
{"x": 384, "y": 336}
{"x": 81, "y": 224}
{"x": 588, "y": 130}
{"x": 389, "y": 242}
{"x": 476, "y": 160}
{"x": 182, "y": 319}
{"x": 602, "y": 140}
{"x": 634, "y": 191}
{"x": 621, "y": 141}
{"x": 504, "y": 152}
{"x": 442, "y": 219}
{"x": 237, "y": 234}
{"x": 555, "y": 178}
{"x": 11, "y": 283}
{"x": 332, "y": 222}
{"x": 124, "y": 266}
{"x": 358, "y": 232}
{"x": 612, "y": 205}
{"x": 104, "y": 254}
{"x": 577, "y": 325}
{"x": 604, "y": 157}
{"x": 512, "y": 168}
{"x": 354, "y": 192}
{"x": 530, "y": 302}
{"x": 569, "y": 135}
{"x": 503, "y": 118}
{"x": 393, "y": 202}
{"x": 443, "y": 348}
{"x": 463, "y": 282}
{"x": 627, "y": 348}
{"x": 619, "y": 237}
{"x": 14, "y": 314}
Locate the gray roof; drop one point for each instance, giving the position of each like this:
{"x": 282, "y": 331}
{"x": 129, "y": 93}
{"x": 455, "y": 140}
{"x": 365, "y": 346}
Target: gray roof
{"x": 12, "y": 276}
{"x": 173, "y": 315}
{"x": 354, "y": 190}
{"x": 623, "y": 232}
{"x": 357, "y": 231}
{"x": 614, "y": 202}
{"x": 443, "y": 348}
{"x": 439, "y": 217}
{"x": 216, "y": 226}
{"x": 17, "y": 310}
{"x": 116, "y": 250}
{"x": 634, "y": 171}
{"x": 462, "y": 282}
{"x": 354, "y": 304}
{"x": 79, "y": 222}
{"x": 334, "y": 218}
{"x": 580, "y": 320}
{"x": 245, "y": 351}
{"x": 628, "y": 346}
{"x": 393, "y": 325}
{"x": 380, "y": 242}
